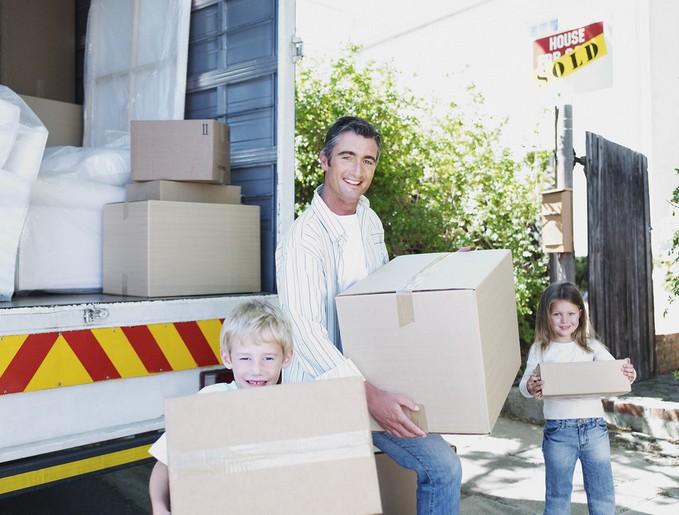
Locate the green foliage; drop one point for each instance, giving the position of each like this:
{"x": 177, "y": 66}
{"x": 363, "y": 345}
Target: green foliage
{"x": 443, "y": 180}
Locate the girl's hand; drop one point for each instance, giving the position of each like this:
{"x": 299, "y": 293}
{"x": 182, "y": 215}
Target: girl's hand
{"x": 534, "y": 386}
{"x": 628, "y": 370}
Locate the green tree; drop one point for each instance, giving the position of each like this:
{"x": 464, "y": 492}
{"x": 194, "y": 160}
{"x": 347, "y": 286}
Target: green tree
{"x": 443, "y": 180}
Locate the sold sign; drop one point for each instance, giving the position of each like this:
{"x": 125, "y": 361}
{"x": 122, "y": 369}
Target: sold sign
{"x": 559, "y": 55}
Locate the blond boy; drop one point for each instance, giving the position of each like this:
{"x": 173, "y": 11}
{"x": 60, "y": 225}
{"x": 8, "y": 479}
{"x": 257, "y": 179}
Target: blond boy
{"x": 255, "y": 344}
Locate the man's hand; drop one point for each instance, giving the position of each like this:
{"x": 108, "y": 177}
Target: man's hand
{"x": 387, "y": 409}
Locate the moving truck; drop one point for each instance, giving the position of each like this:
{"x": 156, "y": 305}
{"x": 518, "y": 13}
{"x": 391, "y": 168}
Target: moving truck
{"x": 83, "y": 377}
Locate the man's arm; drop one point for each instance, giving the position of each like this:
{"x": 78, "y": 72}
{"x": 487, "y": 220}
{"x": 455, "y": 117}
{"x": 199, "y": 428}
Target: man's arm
{"x": 303, "y": 295}
{"x": 159, "y": 489}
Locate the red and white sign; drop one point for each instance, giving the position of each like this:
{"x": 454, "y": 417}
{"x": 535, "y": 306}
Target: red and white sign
{"x": 561, "y": 54}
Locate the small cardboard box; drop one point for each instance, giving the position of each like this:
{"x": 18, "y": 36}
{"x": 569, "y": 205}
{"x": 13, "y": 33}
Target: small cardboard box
{"x": 38, "y": 47}
{"x": 161, "y": 248}
{"x": 183, "y": 192}
{"x": 440, "y": 328}
{"x": 63, "y": 120}
{"x": 599, "y": 378}
{"x": 291, "y": 449}
{"x": 180, "y": 150}
{"x": 398, "y": 486}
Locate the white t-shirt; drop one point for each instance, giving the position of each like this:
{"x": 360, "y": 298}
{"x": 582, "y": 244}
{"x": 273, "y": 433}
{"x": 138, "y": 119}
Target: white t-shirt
{"x": 352, "y": 268}
{"x": 159, "y": 449}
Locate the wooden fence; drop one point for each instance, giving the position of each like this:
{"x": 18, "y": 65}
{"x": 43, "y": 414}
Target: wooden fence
{"x": 619, "y": 252}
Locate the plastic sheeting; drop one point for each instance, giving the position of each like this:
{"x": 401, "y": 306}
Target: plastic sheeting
{"x": 22, "y": 143}
{"x": 135, "y": 66}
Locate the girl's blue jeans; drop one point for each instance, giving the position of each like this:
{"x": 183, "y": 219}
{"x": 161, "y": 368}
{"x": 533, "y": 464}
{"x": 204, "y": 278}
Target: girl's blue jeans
{"x": 566, "y": 441}
{"x": 438, "y": 468}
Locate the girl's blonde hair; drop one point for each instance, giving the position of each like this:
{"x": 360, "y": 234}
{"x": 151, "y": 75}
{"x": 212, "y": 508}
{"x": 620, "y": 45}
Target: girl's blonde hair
{"x": 259, "y": 321}
{"x": 543, "y": 327}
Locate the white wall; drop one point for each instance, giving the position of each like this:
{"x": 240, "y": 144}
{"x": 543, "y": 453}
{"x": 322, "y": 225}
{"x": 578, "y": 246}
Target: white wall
{"x": 442, "y": 46}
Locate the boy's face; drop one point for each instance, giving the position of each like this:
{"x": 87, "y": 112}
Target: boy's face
{"x": 255, "y": 362}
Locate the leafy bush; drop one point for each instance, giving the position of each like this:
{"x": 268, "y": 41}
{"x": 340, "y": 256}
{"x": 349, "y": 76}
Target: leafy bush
{"x": 443, "y": 180}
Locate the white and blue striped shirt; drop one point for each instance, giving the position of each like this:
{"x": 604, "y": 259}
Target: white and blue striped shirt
{"x": 309, "y": 263}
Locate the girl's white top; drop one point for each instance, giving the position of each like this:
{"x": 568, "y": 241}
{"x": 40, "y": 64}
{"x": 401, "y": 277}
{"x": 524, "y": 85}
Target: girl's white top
{"x": 566, "y": 407}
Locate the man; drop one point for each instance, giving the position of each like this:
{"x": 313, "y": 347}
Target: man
{"x": 337, "y": 241}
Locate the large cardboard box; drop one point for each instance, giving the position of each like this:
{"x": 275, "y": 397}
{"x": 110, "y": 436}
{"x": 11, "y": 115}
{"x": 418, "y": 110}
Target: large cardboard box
{"x": 63, "y": 120}
{"x": 37, "y": 48}
{"x": 440, "y": 328}
{"x": 180, "y": 150}
{"x": 183, "y": 192}
{"x": 291, "y": 449}
{"x": 161, "y": 248}
{"x": 583, "y": 378}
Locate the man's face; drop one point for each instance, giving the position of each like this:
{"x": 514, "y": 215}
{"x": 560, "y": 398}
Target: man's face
{"x": 255, "y": 363}
{"x": 349, "y": 173}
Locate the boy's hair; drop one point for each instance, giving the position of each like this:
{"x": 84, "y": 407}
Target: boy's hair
{"x": 353, "y": 124}
{"x": 543, "y": 327}
{"x": 259, "y": 321}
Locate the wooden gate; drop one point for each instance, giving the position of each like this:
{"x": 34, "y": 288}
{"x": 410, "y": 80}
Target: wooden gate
{"x": 619, "y": 252}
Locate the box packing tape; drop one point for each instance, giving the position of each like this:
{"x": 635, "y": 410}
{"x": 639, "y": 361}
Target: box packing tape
{"x": 268, "y": 455}
{"x": 404, "y": 295}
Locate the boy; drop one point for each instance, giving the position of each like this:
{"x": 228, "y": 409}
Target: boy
{"x": 255, "y": 344}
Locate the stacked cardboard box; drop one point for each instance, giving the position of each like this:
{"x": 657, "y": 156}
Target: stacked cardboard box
{"x": 182, "y": 230}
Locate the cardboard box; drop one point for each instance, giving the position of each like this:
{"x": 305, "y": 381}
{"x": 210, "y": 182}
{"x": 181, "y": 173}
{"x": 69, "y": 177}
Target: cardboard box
{"x": 440, "y": 328}
{"x": 161, "y": 248}
{"x": 38, "y": 48}
{"x": 180, "y": 150}
{"x": 291, "y": 449}
{"x": 183, "y": 192}
{"x": 599, "y": 378}
{"x": 63, "y": 120}
{"x": 398, "y": 486}
{"x": 557, "y": 220}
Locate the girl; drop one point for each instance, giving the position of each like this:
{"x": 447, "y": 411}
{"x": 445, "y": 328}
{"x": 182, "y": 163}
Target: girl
{"x": 574, "y": 426}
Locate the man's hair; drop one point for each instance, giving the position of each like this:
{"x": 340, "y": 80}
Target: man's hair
{"x": 259, "y": 321}
{"x": 350, "y": 124}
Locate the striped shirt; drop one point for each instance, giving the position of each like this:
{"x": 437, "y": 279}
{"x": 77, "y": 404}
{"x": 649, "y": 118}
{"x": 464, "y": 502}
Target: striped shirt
{"x": 309, "y": 262}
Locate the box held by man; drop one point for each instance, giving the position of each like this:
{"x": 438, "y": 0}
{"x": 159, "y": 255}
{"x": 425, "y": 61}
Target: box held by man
{"x": 441, "y": 328}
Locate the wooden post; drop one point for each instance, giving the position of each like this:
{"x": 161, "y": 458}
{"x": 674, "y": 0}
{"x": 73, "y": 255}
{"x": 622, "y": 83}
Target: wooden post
{"x": 562, "y": 265}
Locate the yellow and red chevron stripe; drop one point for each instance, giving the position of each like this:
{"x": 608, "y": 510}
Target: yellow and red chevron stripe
{"x": 31, "y": 362}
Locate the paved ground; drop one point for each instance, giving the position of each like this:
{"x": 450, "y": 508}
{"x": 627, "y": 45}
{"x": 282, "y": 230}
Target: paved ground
{"x": 503, "y": 473}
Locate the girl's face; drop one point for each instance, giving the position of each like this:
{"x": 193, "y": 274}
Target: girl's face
{"x": 564, "y": 318}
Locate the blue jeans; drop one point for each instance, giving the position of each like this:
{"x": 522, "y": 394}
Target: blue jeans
{"x": 438, "y": 468}
{"x": 563, "y": 443}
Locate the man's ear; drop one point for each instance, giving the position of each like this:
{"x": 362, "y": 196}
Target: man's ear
{"x": 226, "y": 359}
{"x": 323, "y": 160}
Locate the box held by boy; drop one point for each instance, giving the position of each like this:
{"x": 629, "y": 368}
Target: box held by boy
{"x": 291, "y": 449}
{"x": 160, "y": 248}
{"x": 180, "y": 150}
{"x": 183, "y": 192}
{"x": 600, "y": 378}
{"x": 442, "y": 329}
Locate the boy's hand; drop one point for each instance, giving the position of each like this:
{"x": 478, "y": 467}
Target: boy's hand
{"x": 628, "y": 370}
{"x": 387, "y": 409}
{"x": 534, "y": 386}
